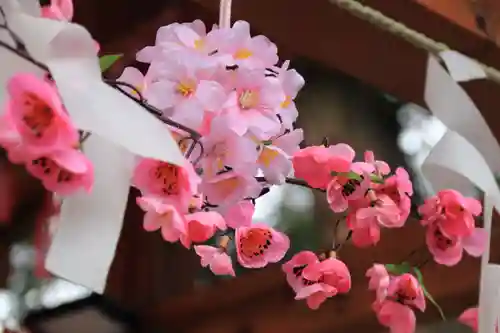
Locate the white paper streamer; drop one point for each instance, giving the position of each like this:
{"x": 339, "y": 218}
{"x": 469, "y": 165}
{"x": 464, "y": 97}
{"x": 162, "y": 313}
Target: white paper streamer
{"x": 462, "y": 68}
{"x": 469, "y": 156}
{"x": 90, "y": 224}
{"x": 84, "y": 245}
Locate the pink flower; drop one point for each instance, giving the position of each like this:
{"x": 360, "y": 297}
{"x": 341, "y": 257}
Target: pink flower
{"x": 259, "y": 245}
{"x": 399, "y": 188}
{"x": 38, "y": 115}
{"x": 240, "y": 214}
{"x": 227, "y": 188}
{"x": 324, "y": 161}
{"x": 216, "y": 258}
{"x": 274, "y": 159}
{"x": 379, "y": 280}
{"x": 173, "y": 183}
{"x": 291, "y": 82}
{"x": 326, "y": 279}
{"x": 407, "y": 290}
{"x": 188, "y": 90}
{"x": 134, "y": 77}
{"x": 396, "y": 316}
{"x": 223, "y": 147}
{"x": 162, "y": 216}
{"x": 295, "y": 266}
{"x": 60, "y": 10}
{"x": 341, "y": 190}
{"x": 454, "y": 212}
{"x": 201, "y": 226}
{"x": 381, "y": 167}
{"x": 246, "y": 51}
{"x": 183, "y": 38}
{"x": 470, "y": 318}
{"x": 383, "y": 212}
{"x": 447, "y": 250}
{"x": 62, "y": 171}
{"x": 254, "y": 104}
{"x": 363, "y": 235}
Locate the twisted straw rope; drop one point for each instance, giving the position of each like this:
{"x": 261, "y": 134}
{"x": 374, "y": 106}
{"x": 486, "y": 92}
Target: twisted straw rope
{"x": 398, "y": 29}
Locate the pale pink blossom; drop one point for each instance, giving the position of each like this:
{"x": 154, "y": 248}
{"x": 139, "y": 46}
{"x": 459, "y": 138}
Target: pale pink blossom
{"x": 379, "y": 280}
{"x": 62, "y": 171}
{"x": 175, "y": 184}
{"x": 215, "y": 258}
{"x": 162, "y": 216}
{"x": 185, "y": 90}
{"x": 37, "y": 114}
{"x": 341, "y": 190}
{"x": 259, "y": 245}
{"x": 275, "y": 159}
{"x": 292, "y": 82}
{"x": 328, "y": 278}
{"x": 254, "y": 103}
{"x": 240, "y": 214}
{"x": 470, "y": 318}
{"x": 246, "y": 51}
{"x": 447, "y": 250}
{"x": 228, "y": 188}
{"x": 134, "y": 77}
{"x": 223, "y": 147}
{"x": 201, "y": 226}
{"x": 454, "y": 212}
{"x": 324, "y": 161}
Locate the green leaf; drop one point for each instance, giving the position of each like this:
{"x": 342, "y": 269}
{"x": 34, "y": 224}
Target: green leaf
{"x": 420, "y": 279}
{"x": 354, "y": 175}
{"x": 108, "y": 60}
{"x": 398, "y": 269}
{"x": 267, "y": 142}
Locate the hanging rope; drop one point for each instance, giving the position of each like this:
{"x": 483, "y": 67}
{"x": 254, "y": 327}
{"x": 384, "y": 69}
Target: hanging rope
{"x": 398, "y": 29}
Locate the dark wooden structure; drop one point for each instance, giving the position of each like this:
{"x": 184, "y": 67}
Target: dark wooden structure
{"x": 141, "y": 278}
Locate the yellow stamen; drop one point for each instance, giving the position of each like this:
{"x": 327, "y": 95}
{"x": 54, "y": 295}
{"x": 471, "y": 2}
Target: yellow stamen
{"x": 186, "y": 88}
{"x": 267, "y": 156}
{"x": 243, "y": 54}
{"x": 228, "y": 185}
{"x": 286, "y": 103}
{"x": 249, "y": 99}
{"x": 199, "y": 44}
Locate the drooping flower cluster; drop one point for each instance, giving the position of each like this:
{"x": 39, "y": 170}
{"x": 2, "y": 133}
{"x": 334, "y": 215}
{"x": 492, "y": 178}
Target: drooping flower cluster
{"x": 451, "y": 228}
{"x": 364, "y": 190}
{"x": 397, "y": 296}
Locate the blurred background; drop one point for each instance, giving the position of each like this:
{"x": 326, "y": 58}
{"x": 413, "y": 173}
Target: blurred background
{"x": 358, "y": 91}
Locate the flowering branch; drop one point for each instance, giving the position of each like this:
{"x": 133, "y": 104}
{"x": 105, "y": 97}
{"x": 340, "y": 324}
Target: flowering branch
{"x": 231, "y": 110}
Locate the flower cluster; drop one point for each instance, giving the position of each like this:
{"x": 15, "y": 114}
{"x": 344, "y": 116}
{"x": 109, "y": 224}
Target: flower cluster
{"x": 396, "y": 298}
{"x": 449, "y": 218}
{"x": 228, "y": 88}
{"x": 370, "y": 196}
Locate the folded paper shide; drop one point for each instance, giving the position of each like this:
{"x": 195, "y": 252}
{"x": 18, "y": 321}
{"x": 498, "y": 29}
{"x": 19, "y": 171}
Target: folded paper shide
{"x": 204, "y": 132}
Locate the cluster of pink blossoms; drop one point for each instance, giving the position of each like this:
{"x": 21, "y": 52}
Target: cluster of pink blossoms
{"x": 227, "y": 86}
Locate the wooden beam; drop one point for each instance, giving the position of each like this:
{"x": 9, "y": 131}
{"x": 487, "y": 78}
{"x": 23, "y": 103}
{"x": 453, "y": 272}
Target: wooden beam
{"x": 264, "y": 301}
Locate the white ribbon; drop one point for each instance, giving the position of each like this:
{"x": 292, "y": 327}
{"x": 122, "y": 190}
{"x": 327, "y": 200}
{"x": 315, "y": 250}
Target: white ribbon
{"x": 90, "y": 224}
{"x": 466, "y": 154}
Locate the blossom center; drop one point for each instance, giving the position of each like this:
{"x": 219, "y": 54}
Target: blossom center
{"x": 38, "y": 115}
{"x": 243, "y": 53}
{"x": 186, "y": 88}
{"x": 255, "y": 242}
{"x": 350, "y": 187}
{"x": 249, "y": 99}
{"x": 442, "y": 242}
{"x": 168, "y": 175}
{"x": 49, "y": 168}
{"x": 286, "y": 103}
{"x": 267, "y": 156}
{"x": 199, "y": 44}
